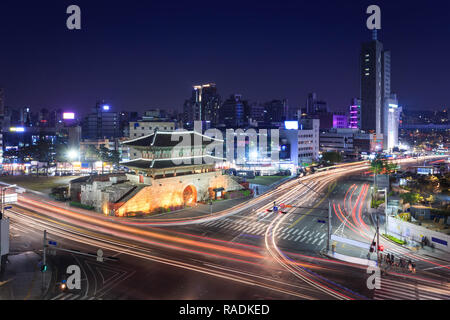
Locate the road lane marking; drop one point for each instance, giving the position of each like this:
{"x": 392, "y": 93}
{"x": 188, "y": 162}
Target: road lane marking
{"x": 58, "y": 296}
{"x": 316, "y": 205}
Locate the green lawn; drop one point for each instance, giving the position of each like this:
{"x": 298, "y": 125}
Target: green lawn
{"x": 266, "y": 180}
{"x": 41, "y": 184}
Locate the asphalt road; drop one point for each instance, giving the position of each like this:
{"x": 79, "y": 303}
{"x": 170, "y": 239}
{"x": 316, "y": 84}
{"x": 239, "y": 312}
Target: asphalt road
{"x": 246, "y": 254}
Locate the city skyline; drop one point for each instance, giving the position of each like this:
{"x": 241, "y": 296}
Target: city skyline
{"x": 283, "y": 60}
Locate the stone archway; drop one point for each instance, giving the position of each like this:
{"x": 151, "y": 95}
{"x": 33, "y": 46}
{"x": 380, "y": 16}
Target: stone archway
{"x": 190, "y": 195}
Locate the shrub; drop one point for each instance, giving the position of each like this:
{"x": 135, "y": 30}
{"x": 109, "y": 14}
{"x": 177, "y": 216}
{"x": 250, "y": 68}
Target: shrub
{"x": 396, "y": 240}
{"x": 80, "y": 205}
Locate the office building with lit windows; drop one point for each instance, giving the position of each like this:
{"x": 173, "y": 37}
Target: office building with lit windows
{"x": 376, "y": 91}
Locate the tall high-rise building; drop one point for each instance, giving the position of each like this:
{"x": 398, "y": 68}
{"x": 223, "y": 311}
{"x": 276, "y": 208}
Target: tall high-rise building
{"x": 393, "y": 120}
{"x": 102, "y": 123}
{"x": 232, "y": 112}
{"x": 2, "y": 102}
{"x": 276, "y": 111}
{"x": 355, "y": 114}
{"x": 375, "y": 89}
{"x": 203, "y": 105}
{"x": 315, "y": 106}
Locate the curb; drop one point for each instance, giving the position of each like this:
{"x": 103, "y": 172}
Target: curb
{"x": 351, "y": 260}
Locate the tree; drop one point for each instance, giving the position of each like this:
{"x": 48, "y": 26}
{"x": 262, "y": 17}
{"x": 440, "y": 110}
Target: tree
{"x": 331, "y": 157}
{"x": 377, "y": 166}
{"x": 91, "y": 153}
{"x": 411, "y": 197}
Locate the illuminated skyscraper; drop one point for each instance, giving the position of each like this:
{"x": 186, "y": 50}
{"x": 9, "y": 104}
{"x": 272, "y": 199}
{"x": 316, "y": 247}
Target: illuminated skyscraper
{"x": 203, "y": 105}
{"x": 376, "y": 89}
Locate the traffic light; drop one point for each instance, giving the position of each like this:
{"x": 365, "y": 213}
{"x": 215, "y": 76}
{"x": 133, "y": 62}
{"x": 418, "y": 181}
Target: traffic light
{"x": 372, "y": 247}
{"x": 381, "y": 248}
{"x": 44, "y": 268}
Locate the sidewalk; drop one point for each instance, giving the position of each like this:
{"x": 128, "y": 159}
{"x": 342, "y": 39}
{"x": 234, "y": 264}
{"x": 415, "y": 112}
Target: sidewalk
{"x": 22, "y": 279}
{"x": 434, "y": 253}
{"x": 193, "y": 212}
{"x": 426, "y": 251}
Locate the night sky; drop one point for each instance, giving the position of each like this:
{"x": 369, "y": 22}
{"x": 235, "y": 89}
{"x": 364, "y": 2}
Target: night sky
{"x": 146, "y": 54}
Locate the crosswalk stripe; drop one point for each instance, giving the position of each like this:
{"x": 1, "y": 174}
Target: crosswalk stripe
{"x": 397, "y": 292}
{"x": 386, "y": 296}
{"x": 67, "y": 296}
{"x": 74, "y": 297}
{"x": 58, "y": 296}
{"x": 246, "y": 229}
{"x": 297, "y": 238}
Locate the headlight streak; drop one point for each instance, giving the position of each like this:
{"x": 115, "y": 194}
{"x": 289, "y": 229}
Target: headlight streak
{"x": 115, "y": 227}
{"x": 281, "y": 258}
{"x": 143, "y": 253}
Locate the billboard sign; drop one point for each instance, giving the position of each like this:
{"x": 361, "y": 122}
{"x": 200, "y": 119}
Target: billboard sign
{"x": 10, "y": 198}
{"x": 291, "y": 125}
{"x": 68, "y": 116}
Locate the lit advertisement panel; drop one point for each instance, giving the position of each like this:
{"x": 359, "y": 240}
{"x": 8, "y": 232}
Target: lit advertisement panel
{"x": 68, "y": 116}
{"x": 17, "y": 129}
{"x": 291, "y": 125}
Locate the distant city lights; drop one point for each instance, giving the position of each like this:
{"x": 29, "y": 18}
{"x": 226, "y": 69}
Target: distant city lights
{"x": 68, "y": 116}
{"x": 17, "y": 129}
{"x": 291, "y": 125}
{"x": 106, "y": 107}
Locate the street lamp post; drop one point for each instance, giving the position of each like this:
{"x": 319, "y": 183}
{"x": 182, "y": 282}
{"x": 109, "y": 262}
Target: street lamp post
{"x": 385, "y": 209}
{"x": 73, "y": 155}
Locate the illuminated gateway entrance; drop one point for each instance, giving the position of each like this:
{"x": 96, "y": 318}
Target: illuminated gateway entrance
{"x": 190, "y": 196}
{"x": 172, "y": 171}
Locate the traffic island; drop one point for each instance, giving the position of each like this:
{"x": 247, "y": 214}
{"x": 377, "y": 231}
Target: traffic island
{"x": 350, "y": 259}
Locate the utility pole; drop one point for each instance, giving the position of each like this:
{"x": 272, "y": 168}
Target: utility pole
{"x": 329, "y": 226}
{"x": 44, "y": 260}
{"x": 378, "y": 240}
{"x": 385, "y": 210}
{"x": 1, "y": 208}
